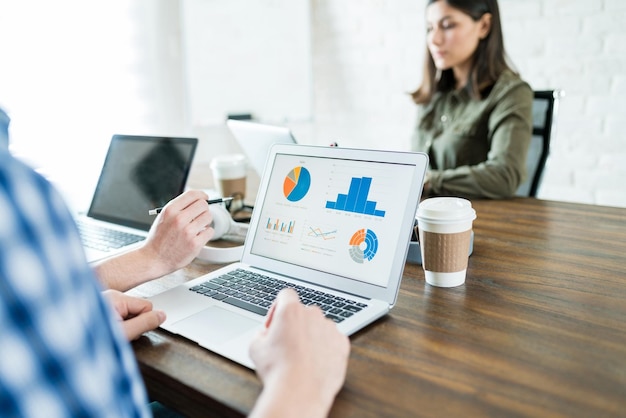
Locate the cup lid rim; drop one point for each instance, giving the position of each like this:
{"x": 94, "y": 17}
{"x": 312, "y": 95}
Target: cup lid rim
{"x": 446, "y": 209}
{"x": 228, "y": 160}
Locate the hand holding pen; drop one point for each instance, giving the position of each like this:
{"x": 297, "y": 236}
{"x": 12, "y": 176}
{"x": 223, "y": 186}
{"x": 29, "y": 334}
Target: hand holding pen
{"x": 156, "y": 211}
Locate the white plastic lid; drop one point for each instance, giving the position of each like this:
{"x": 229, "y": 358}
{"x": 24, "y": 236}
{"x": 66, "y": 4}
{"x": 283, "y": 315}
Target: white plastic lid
{"x": 446, "y": 209}
{"x": 229, "y": 166}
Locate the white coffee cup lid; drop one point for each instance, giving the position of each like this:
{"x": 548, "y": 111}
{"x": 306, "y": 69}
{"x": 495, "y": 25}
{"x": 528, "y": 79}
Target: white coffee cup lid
{"x": 228, "y": 160}
{"x": 445, "y": 209}
{"x": 229, "y": 166}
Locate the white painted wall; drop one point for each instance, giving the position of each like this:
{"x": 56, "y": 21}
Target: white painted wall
{"x": 247, "y": 56}
{"x": 73, "y": 73}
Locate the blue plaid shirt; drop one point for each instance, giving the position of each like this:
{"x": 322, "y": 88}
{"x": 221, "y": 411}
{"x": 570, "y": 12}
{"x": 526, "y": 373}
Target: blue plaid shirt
{"x": 62, "y": 352}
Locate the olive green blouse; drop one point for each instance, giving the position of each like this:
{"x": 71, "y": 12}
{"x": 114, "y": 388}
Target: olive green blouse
{"x": 477, "y": 148}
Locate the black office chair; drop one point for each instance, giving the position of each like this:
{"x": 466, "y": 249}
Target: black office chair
{"x": 545, "y": 105}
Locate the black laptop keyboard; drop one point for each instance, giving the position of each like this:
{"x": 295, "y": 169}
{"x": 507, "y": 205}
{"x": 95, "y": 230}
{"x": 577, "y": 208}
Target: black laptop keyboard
{"x": 256, "y": 292}
{"x": 104, "y": 239}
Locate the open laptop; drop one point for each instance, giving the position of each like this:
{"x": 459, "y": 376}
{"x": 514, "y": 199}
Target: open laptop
{"x": 332, "y": 223}
{"x": 256, "y": 140}
{"x": 139, "y": 173}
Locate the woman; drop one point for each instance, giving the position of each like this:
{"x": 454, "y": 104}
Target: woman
{"x": 475, "y": 111}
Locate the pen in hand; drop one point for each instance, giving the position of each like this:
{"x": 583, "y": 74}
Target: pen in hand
{"x": 210, "y": 202}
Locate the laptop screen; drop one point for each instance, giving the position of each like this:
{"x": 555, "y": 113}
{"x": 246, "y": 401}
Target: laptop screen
{"x": 340, "y": 216}
{"x": 140, "y": 173}
{"x": 256, "y": 140}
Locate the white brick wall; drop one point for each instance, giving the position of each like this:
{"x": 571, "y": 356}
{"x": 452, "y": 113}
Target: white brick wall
{"x": 367, "y": 55}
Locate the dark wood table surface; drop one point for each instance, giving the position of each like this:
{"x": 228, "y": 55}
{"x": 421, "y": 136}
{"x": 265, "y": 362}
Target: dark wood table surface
{"x": 538, "y": 329}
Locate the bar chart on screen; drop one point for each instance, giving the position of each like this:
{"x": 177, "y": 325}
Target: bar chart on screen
{"x": 356, "y": 200}
{"x": 279, "y": 225}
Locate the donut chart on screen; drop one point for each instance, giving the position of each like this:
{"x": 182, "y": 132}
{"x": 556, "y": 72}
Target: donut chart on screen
{"x": 363, "y": 245}
{"x": 297, "y": 184}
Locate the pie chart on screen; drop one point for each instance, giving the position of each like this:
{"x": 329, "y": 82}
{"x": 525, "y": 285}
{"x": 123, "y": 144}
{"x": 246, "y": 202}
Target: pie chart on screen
{"x": 297, "y": 184}
{"x": 363, "y": 245}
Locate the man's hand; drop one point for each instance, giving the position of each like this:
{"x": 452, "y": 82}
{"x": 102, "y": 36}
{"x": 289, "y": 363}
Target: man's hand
{"x": 135, "y": 314}
{"x": 301, "y": 357}
{"x": 176, "y": 237}
{"x": 180, "y": 231}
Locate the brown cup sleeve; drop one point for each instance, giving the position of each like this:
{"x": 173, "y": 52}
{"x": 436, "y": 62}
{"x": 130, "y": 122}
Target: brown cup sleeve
{"x": 445, "y": 253}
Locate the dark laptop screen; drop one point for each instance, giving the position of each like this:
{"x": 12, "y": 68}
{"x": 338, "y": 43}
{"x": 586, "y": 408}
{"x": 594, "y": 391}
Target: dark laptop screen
{"x": 141, "y": 173}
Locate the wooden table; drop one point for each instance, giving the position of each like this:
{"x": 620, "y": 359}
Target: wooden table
{"x": 538, "y": 329}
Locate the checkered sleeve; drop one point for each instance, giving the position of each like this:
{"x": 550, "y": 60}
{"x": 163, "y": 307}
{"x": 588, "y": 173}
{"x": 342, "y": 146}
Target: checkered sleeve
{"x": 62, "y": 353}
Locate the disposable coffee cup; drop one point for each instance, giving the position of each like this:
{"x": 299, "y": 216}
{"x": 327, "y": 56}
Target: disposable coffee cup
{"x": 229, "y": 175}
{"x": 445, "y": 227}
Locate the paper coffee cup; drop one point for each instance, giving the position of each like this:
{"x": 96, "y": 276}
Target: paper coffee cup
{"x": 445, "y": 227}
{"x": 229, "y": 174}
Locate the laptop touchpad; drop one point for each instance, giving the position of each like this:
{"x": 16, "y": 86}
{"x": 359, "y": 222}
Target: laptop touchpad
{"x": 215, "y": 325}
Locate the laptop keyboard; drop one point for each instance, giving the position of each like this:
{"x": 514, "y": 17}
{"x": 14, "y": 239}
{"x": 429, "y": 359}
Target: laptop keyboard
{"x": 105, "y": 239}
{"x": 255, "y": 293}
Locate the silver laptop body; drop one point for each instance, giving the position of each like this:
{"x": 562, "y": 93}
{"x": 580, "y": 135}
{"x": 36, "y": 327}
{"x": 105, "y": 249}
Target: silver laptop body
{"x": 329, "y": 222}
{"x": 256, "y": 140}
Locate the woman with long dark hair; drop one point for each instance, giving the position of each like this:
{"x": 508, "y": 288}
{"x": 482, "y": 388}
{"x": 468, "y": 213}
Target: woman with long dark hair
{"x": 475, "y": 112}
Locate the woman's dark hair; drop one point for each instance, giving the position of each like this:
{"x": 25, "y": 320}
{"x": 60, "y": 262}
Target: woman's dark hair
{"x": 489, "y": 60}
